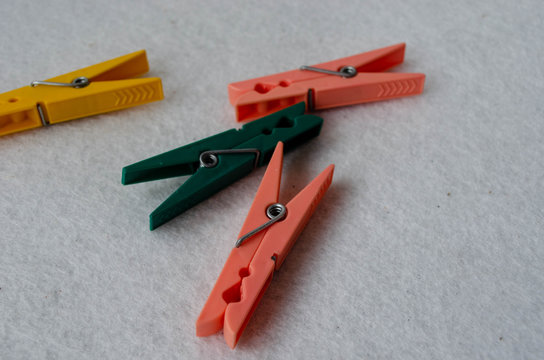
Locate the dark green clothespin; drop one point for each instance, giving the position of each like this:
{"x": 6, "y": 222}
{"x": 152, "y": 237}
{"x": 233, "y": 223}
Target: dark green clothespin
{"x": 218, "y": 161}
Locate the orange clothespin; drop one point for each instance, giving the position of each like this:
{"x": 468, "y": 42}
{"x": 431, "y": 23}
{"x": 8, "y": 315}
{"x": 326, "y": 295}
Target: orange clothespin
{"x": 267, "y": 235}
{"x": 350, "y": 80}
{"x": 93, "y": 90}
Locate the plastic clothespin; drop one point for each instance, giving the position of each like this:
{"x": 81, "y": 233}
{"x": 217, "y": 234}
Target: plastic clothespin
{"x": 350, "y": 80}
{"x": 89, "y": 91}
{"x": 267, "y": 235}
{"x": 218, "y": 161}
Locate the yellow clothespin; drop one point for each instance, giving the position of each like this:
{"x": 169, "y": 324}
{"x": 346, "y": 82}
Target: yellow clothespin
{"x": 96, "y": 89}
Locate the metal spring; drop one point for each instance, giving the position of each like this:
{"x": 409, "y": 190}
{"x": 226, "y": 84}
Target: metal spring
{"x": 275, "y": 212}
{"x": 77, "y": 83}
{"x": 345, "y": 71}
{"x": 209, "y": 158}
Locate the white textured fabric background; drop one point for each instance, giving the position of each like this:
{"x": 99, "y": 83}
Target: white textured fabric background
{"x": 428, "y": 245}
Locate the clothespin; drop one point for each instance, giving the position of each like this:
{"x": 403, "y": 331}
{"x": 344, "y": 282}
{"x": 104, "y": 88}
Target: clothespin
{"x": 217, "y": 161}
{"x": 267, "y": 235}
{"x": 96, "y": 89}
{"x": 350, "y": 80}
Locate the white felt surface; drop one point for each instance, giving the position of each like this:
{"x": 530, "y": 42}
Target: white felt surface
{"x": 428, "y": 245}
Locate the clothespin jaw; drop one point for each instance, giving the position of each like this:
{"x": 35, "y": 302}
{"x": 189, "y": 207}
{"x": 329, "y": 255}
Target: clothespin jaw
{"x": 250, "y": 267}
{"x": 351, "y": 80}
{"x": 96, "y": 89}
{"x": 236, "y": 153}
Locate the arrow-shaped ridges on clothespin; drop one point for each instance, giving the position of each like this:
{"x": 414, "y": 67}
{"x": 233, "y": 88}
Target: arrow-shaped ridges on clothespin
{"x": 134, "y": 95}
{"x": 396, "y": 88}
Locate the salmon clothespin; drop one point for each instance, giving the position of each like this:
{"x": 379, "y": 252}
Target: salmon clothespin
{"x": 218, "y": 161}
{"x": 347, "y": 81}
{"x": 96, "y": 89}
{"x": 267, "y": 235}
